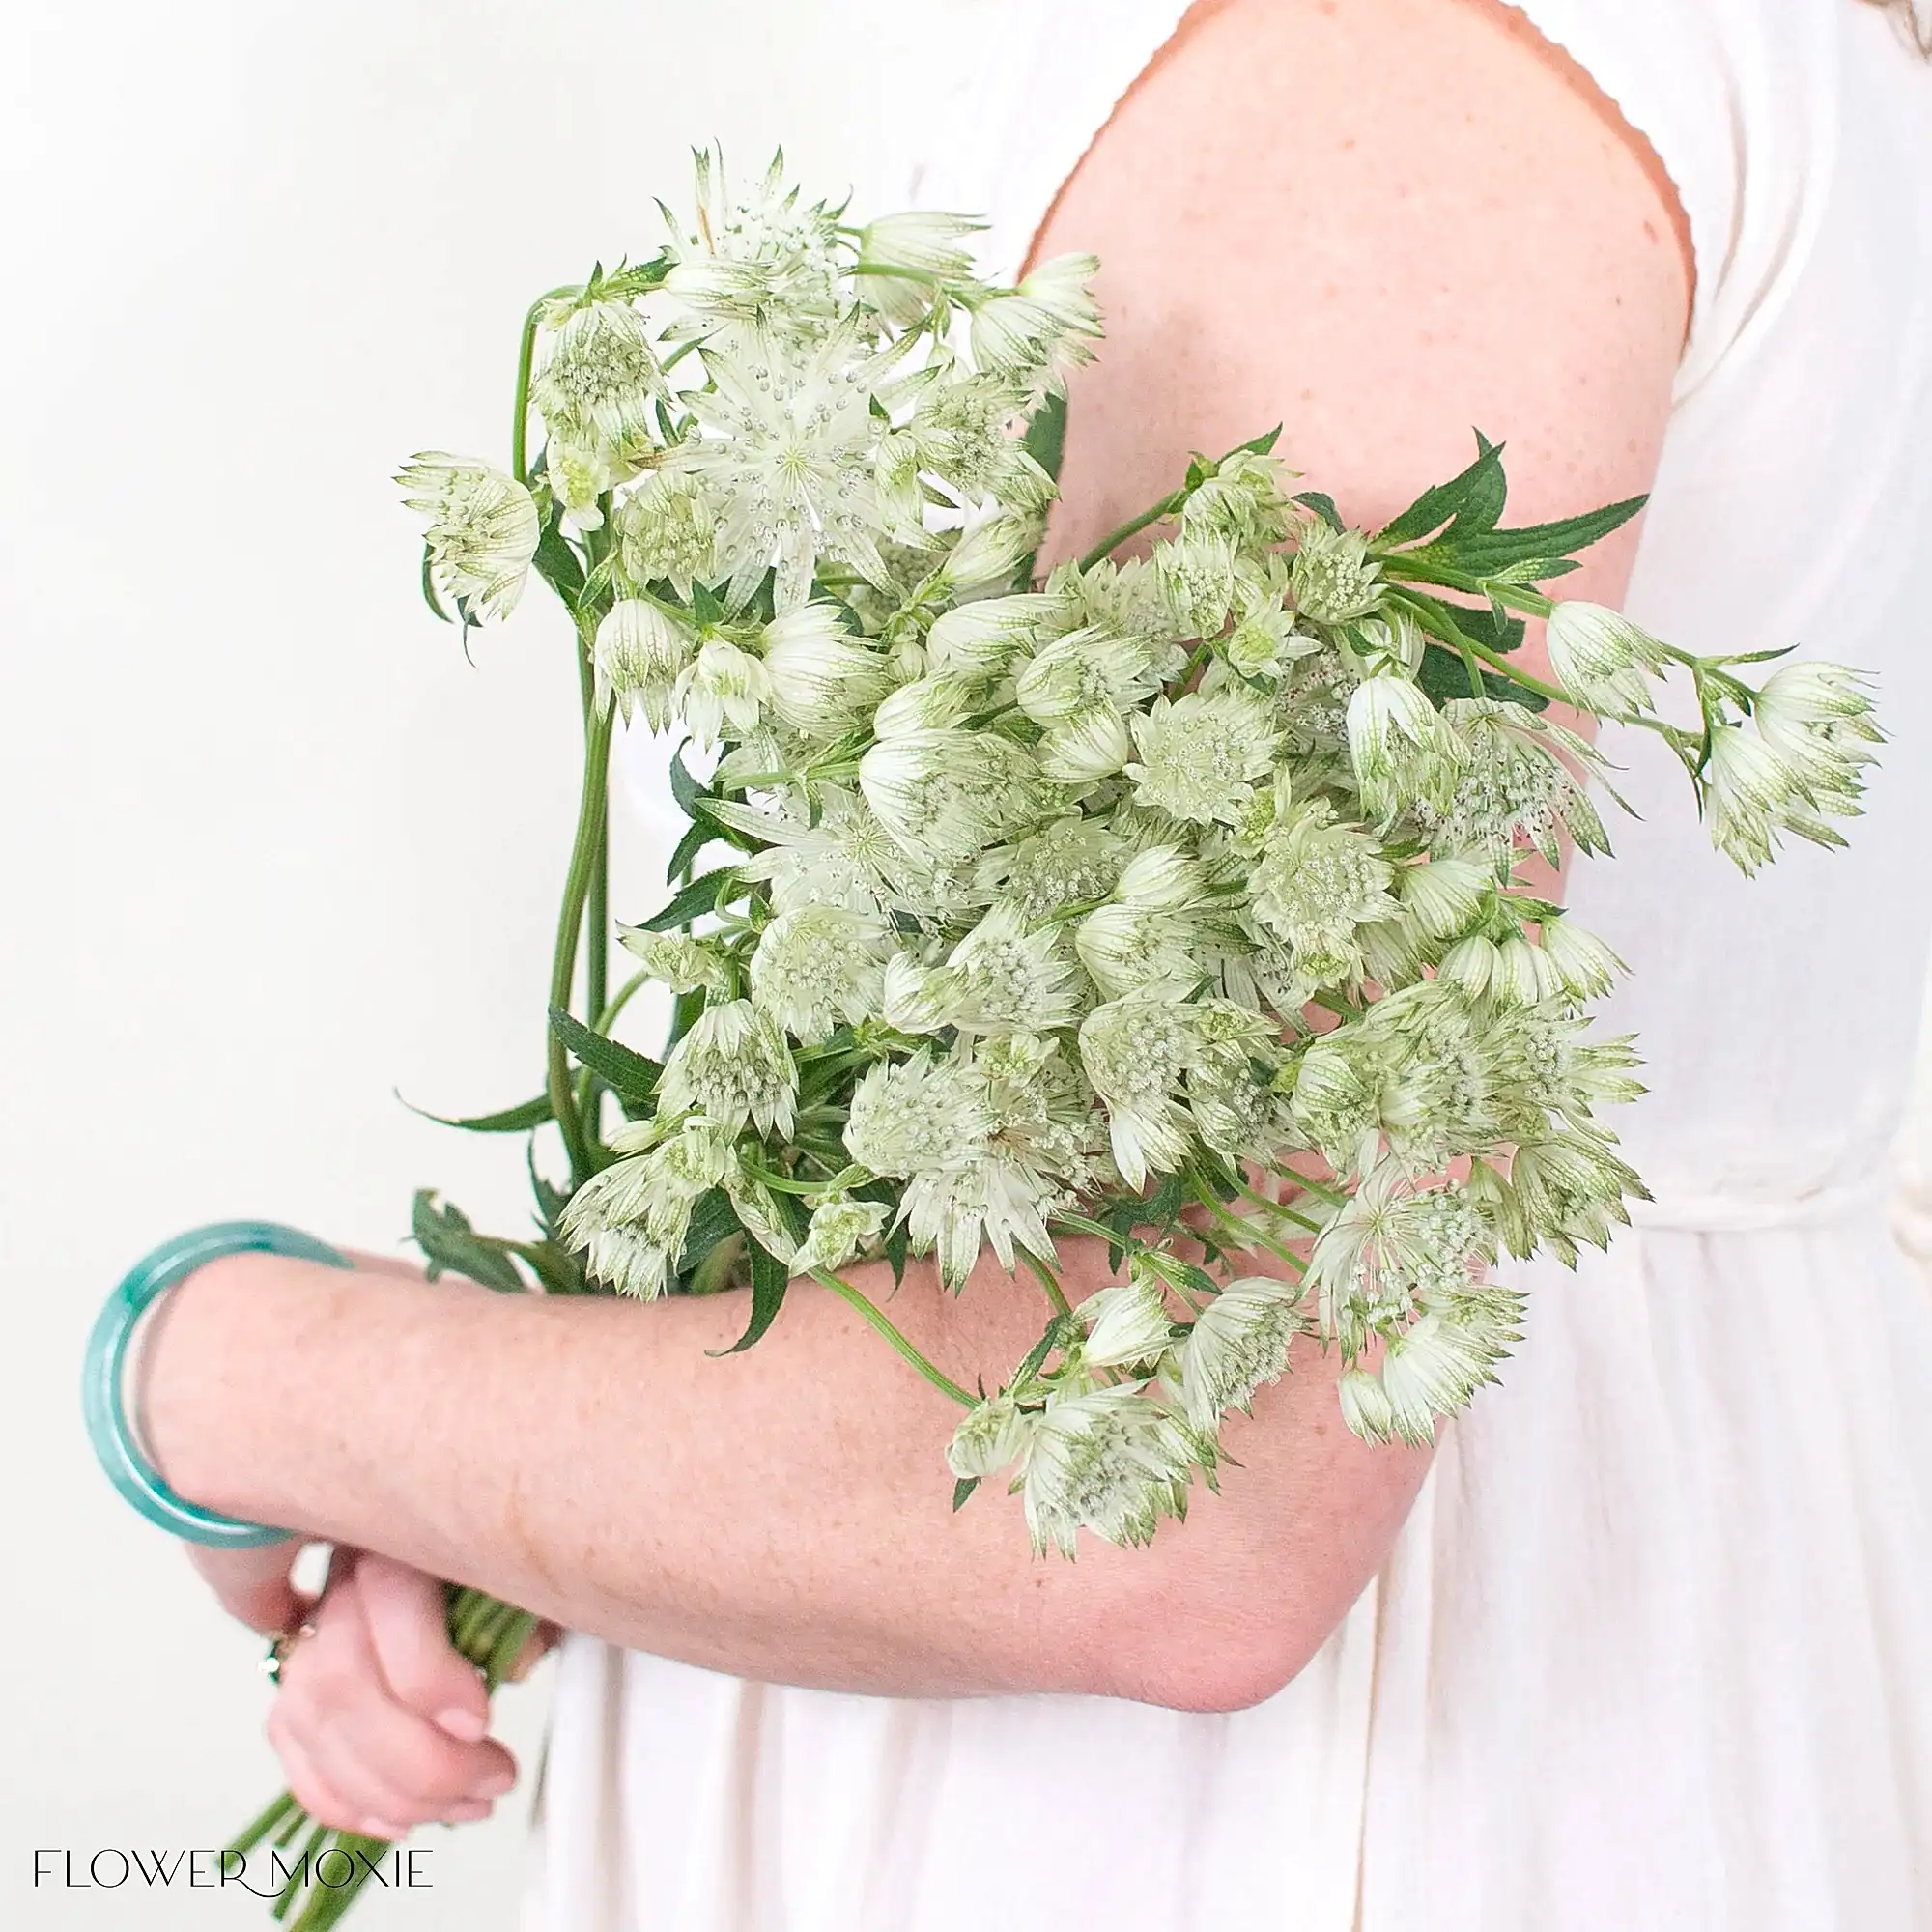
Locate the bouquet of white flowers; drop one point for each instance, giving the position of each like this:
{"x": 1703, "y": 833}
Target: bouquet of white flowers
{"x": 1176, "y": 902}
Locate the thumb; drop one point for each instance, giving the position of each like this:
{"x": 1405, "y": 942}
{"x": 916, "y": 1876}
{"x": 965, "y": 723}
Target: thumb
{"x": 404, "y": 1611}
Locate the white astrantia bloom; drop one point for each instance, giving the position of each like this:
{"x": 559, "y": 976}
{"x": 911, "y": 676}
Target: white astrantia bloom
{"x": 1242, "y": 501}
{"x": 821, "y": 679}
{"x": 1391, "y": 1242}
{"x": 1819, "y": 718}
{"x": 844, "y": 855}
{"x": 597, "y": 378}
{"x": 950, "y": 794}
{"x": 733, "y": 1066}
{"x": 1580, "y": 966}
{"x": 1433, "y": 1368}
{"x": 923, "y": 1114}
{"x": 1393, "y": 743}
{"x": 676, "y": 960}
{"x": 1162, "y": 928}
{"x": 1006, "y": 979}
{"x": 1316, "y": 882}
{"x": 1197, "y": 575}
{"x": 1039, "y": 333}
{"x": 786, "y": 442}
{"x": 906, "y": 260}
{"x": 1111, "y": 1460}
{"x": 723, "y": 684}
{"x": 1443, "y": 897}
{"x": 1602, "y": 658}
{"x": 1568, "y": 1188}
{"x": 993, "y": 1437}
{"x": 664, "y": 531}
{"x": 1127, "y": 1324}
{"x": 1069, "y": 862}
{"x": 1237, "y": 1343}
{"x": 1081, "y": 751}
{"x": 1365, "y": 1405}
{"x": 1198, "y": 756}
{"x": 933, "y": 703}
{"x": 840, "y": 1229}
{"x": 916, "y": 998}
{"x": 632, "y": 1215}
{"x": 1334, "y": 579}
{"x": 818, "y": 965}
{"x": 1135, "y": 1050}
{"x": 961, "y": 433}
{"x": 640, "y": 656}
{"x": 990, "y": 1199}
{"x": 991, "y": 550}
{"x": 1749, "y": 789}
{"x": 1516, "y": 782}
{"x": 1087, "y": 670}
{"x": 483, "y": 530}
{"x": 978, "y": 641}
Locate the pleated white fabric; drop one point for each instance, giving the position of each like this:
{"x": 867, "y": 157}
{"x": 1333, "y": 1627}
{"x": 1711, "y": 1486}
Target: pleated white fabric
{"x": 1652, "y": 1651}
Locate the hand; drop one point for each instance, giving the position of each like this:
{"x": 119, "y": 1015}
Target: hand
{"x": 380, "y": 1723}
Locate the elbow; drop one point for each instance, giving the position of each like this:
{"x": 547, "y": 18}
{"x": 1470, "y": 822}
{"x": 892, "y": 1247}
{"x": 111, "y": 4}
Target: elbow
{"x": 1208, "y": 1644}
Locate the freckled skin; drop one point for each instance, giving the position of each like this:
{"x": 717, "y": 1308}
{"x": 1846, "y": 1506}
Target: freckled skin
{"x": 1303, "y": 219}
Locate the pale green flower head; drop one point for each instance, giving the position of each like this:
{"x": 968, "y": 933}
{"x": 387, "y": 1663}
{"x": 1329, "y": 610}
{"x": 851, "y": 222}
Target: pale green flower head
{"x": 840, "y": 1229}
{"x": 916, "y": 1116}
{"x": 1197, "y": 574}
{"x": 818, "y": 965}
{"x": 676, "y": 960}
{"x": 1395, "y": 745}
{"x": 1110, "y": 1460}
{"x": 1242, "y": 501}
{"x": 1072, "y": 862}
{"x": 1127, "y": 1324}
{"x": 1516, "y": 782}
{"x": 991, "y": 550}
{"x": 947, "y": 795}
{"x": 992, "y": 1437}
{"x": 821, "y": 679}
{"x": 1445, "y": 896}
{"x": 990, "y": 1198}
{"x": 1571, "y": 1187}
{"x": 1316, "y": 882}
{"x": 1006, "y": 979}
{"x": 640, "y": 656}
{"x": 1603, "y": 660}
{"x": 1198, "y": 756}
{"x": 978, "y": 642}
{"x": 1580, "y": 966}
{"x": 1135, "y": 1050}
{"x": 665, "y": 533}
{"x": 1084, "y": 671}
{"x": 905, "y": 261}
{"x": 483, "y": 530}
{"x": 1334, "y": 579}
{"x": 1036, "y": 334}
{"x": 1238, "y": 1343}
{"x": 733, "y": 1066}
{"x": 1819, "y": 716}
{"x": 1081, "y": 751}
{"x": 723, "y": 685}
{"x": 599, "y": 378}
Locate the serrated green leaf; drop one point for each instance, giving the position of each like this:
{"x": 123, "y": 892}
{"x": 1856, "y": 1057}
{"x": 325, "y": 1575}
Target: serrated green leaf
{"x": 517, "y": 1120}
{"x": 629, "y": 1075}
{"x": 1165, "y": 1203}
{"x": 1472, "y": 500}
{"x": 697, "y": 835}
{"x": 450, "y": 1245}
{"x": 1323, "y": 506}
{"x": 963, "y": 1488}
{"x": 550, "y": 1199}
{"x": 770, "y": 1278}
{"x": 1046, "y": 439}
{"x": 706, "y": 608}
{"x": 558, "y": 565}
{"x": 1487, "y": 554}
{"x": 685, "y": 788}
{"x": 1444, "y": 676}
{"x": 697, "y": 899}
{"x": 1262, "y": 444}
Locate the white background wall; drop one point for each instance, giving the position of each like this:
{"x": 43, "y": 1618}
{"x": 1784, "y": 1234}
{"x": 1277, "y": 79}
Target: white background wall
{"x": 270, "y": 847}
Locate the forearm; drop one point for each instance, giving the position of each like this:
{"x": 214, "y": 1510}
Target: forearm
{"x": 783, "y": 1514}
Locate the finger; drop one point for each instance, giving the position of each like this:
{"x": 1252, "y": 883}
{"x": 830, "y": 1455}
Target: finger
{"x": 254, "y": 1585}
{"x": 313, "y": 1792}
{"x": 409, "y": 1629}
{"x": 389, "y": 1762}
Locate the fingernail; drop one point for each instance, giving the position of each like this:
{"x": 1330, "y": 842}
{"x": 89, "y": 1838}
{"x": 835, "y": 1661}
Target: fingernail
{"x": 466, "y": 1813}
{"x": 495, "y": 1784}
{"x": 382, "y": 1828}
{"x": 467, "y": 1725}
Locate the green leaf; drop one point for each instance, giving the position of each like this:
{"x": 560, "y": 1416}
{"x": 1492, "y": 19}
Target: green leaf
{"x": 770, "y": 1278}
{"x": 1472, "y": 500}
{"x": 963, "y": 1488}
{"x": 1487, "y": 554}
{"x": 558, "y": 565}
{"x": 713, "y": 1219}
{"x": 515, "y": 1120}
{"x": 706, "y": 608}
{"x": 1262, "y": 444}
{"x": 430, "y": 597}
{"x": 1323, "y": 506}
{"x": 898, "y": 1244}
{"x": 1166, "y": 1202}
{"x": 700, "y": 896}
{"x": 685, "y": 788}
{"x": 630, "y": 1075}
{"x": 450, "y": 1245}
{"x": 697, "y": 835}
{"x": 1046, "y": 439}
{"x": 550, "y": 1199}
{"x": 1444, "y": 676}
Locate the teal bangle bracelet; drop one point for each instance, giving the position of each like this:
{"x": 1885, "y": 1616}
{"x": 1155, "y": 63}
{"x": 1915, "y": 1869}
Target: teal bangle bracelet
{"x": 106, "y": 1364}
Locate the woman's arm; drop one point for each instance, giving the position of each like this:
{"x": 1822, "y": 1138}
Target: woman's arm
{"x": 1380, "y": 223}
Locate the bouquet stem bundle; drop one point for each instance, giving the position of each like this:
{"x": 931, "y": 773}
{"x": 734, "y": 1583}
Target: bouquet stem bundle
{"x": 1181, "y": 909}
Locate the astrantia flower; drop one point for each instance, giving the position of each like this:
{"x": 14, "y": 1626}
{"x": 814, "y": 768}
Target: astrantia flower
{"x": 1197, "y": 574}
{"x": 990, "y": 1439}
{"x": 818, "y": 965}
{"x": 821, "y": 678}
{"x": 482, "y": 533}
{"x": 1394, "y": 744}
{"x": 1334, "y": 578}
{"x": 676, "y": 960}
{"x": 1127, "y": 1324}
{"x": 1391, "y": 1243}
{"x": 916, "y": 1116}
{"x": 1818, "y": 716}
{"x": 1110, "y": 1460}
{"x": 1242, "y": 501}
{"x": 1041, "y": 331}
{"x": 906, "y": 260}
{"x": 840, "y": 1229}
{"x": 1365, "y": 1405}
{"x": 1603, "y": 660}
{"x": 1748, "y": 786}
{"x": 977, "y": 642}
{"x": 1442, "y": 898}
{"x": 664, "y": 530}
{"x": 733, "y": 1066}
{"x": 1434, "y": 1366}
{"x": 1580, "y": 966}
{"x": 1079, "y": 752}
{"x": 1238, "y": 1342}
{"x": 988, "y": 1198}
{"x": 640, "y": 654}
{"x": 786, "y": 448}
{"x": 1007, "y": 980}
{"x": 991, "y": 550}
{"x": 722, "y": 684}
{"x": 1071, "y": 862}
{"x": 1569, "y": 1187}
{"x": 948, "y": 795}
{"x": 1200, "y": 755}
{"x": 1315, "y": 883}
{"x": 1516, "y": 783}
{"x": 599, "y": 378}
{"x": 963, "y": 434}
{"x": 1160, "y": 929}
{"x": 632, "y": 1215}
{"x": 1135, "y": 1050}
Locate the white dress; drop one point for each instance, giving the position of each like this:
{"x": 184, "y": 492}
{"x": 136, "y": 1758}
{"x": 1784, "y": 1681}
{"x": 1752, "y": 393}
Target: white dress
{"x": 1654, "y": 1648}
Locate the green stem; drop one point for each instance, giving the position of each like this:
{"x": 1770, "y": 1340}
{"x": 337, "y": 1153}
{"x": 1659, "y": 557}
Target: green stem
{"x": 850, "y": 1295}
{"x": 621, "y": 998}
{"x": 1132, "y": 528}
{"x": 1048, "y": 1280}
{"x": 590, "y": 820}
{"x": 525, "y": 354}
